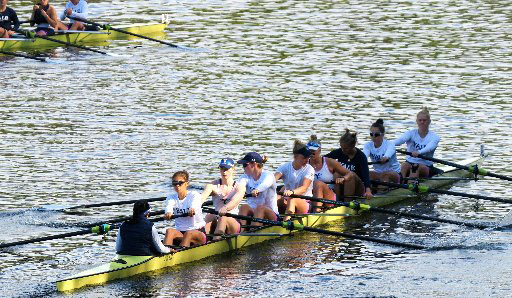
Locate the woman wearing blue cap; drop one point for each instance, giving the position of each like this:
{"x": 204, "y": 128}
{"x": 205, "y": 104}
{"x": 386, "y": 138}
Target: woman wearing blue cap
{"x": 220, "y": 189}
{"x": 325, "y": 169}
{"x": 298, "y": 176}
{"x": 138, "y": 236}
{"x": 261, "y": 187}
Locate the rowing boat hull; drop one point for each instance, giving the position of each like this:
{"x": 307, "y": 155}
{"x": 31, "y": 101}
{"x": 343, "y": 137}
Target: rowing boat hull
{"x": 140, "y": 264}
{"x": 83, "y": 38}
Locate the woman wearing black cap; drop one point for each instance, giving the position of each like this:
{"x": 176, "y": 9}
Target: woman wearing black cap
{"x": 219, "y": 189}
{"x": 138, "y": 236}
{"x": 298, "y": 176}
{"x": 261, "y": 187}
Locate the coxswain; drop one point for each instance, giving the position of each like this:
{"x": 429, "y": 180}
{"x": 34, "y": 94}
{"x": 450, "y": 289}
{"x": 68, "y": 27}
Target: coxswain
{"x": 419, "y": 141}
{"x": 382, "y": 153}
{"x": 353, "y": 159}
{"x": 138, "y": 236}
{"x": 298, "y": 176}
{"x": 9, "y": 22}
{"x": 219, "y": 189}
{"x": 325, "y": 170}
{"x": 189, "y": 230}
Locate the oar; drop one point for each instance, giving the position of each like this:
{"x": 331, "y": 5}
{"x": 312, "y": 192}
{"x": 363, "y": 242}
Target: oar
{"x": 290, "y": 225}
{"x": 99, "y": 229}
{"x": 23, "y": 56}
{"x": 472, "y": 169}
{"x": 425, "y": 189}
{"x": 109, "y": 27}
{"x": 30, "y": 34}
{"x": 365, "y": 207}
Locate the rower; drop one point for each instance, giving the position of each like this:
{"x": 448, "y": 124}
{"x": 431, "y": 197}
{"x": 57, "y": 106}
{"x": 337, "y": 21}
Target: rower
{"x": 353, "y": 159}
{"x": 138, "y": 236}
{"x": 75, "y": 9}
{"x": 9, "y": 22}
{"x": 44, "y": 15}
{"x": 325, "y": 169}
{"x": 261, "y": 187}
{"x": 419, "y": 141}
{"x": 298, "y": 176}
{"x": 189, "y": 230}
{"x": 220, "y": 190}
{"x": 383, "y": 155}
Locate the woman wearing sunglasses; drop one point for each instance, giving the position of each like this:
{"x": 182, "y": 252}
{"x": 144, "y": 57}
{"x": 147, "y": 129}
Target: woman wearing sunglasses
{"x": 325, "y": 170}
{"x": 260, "y": 187}
{"x": 219, "y": 189}
{"x": 189, "y": 230}
{"x": 298, "y": 176}
{"x": 419, "y": 141}
{"x": 382, "y": 153}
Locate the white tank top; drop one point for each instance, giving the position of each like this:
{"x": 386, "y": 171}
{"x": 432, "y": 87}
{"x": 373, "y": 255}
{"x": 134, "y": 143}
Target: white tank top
{"x": 324, "y": 174}
{"x": 220, "y": 192}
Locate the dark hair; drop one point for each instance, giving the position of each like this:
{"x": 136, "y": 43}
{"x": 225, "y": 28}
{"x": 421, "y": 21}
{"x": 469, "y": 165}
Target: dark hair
{"x": 380, "y": 125}
{"x": 139, "y": 208}
{"x": 300, "y": 148}
{"x": 349, "y": 137}
{"x": 182, "y": 173}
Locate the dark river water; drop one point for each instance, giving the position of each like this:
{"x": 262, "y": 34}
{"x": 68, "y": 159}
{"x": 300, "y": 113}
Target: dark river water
{"x": 254, "y": 76}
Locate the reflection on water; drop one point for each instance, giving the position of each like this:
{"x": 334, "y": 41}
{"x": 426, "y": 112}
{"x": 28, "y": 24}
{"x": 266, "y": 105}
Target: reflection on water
{"x": 95, "y": 128}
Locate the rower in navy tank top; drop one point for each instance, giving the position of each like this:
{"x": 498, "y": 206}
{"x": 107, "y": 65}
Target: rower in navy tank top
{"x": 325, "y": 170}
{"x": 383, "y": 154}
{"x": 419, "y": 141}
{"x": 44, "y": 15}
{"x": 138, "y": 236}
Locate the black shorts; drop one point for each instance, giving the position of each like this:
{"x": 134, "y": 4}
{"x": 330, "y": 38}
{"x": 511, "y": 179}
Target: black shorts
{"x": 432, "y": 171}
{"x": 47, "y": 30}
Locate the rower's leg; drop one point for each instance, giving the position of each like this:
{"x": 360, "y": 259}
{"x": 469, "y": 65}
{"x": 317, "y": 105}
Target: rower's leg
{"x": 318, "y": 192}
{"x": 171, "y": 235}
{"x": 245, "y": 210}
{"x": 392, "y": 177}
{"x": 281, "y": 204}
{"x": 350, "y": 185}
{"x": 3, "y": 33}
{"x": 379, "y": 177}
{"x": 60, "y": 26}
{"x": 405, "y": 169}
{"x": 264, "y": 212}
{"x": 193, "y": 237}
{"x": 77, "y": 26}
{"x": 423, "y": 171}
{"x": 211, "y": 223}
{"x": 227, "y": 225}
{"x": 339, "y": 189}
{"x": 290, "y": 207}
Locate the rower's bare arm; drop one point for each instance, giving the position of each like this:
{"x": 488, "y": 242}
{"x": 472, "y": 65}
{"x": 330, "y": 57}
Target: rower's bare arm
{"x": 299, "y": 190}
{"x": 208, "y": 189}
{"x": 278, "y": 175}
{"x": 51, "y": 17}
{"x": 337, "y": 167}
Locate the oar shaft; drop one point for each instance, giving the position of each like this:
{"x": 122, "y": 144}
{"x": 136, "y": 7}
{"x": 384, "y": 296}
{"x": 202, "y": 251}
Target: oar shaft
{"x": 471, "y": 169}
{"x": 108, "y": 27}
{"x": 328, "y": 232}
{"x": 424, "y": 189}
{"x": 115, "y": 203}
{"x": 387, "y": 211}
{"x": 64, "y": 42}
{"x": 23, "y": 56}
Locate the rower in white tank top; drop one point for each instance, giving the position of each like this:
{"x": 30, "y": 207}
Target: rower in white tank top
{"x": 219, "y": 192}
{"x": 325, "y": 175}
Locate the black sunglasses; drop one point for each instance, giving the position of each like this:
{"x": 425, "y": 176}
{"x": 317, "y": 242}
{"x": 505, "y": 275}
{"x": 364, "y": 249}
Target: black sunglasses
{"x": 245, "y": 164}
{"x": 178, "y": 183}
{"x": 377, "y": 134}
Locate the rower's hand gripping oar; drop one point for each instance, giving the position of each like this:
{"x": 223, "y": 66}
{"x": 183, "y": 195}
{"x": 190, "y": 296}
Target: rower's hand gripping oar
{"x": 98, "y": 229}
{"x": 290, "y": 225}
{"x": 425, "y": 189}
{"x": 23, "y": 56}
{"x": 472, "y": 169}
{"x": 31, "y": 34}
{"x": 365, "y": 207}
{"x": 109, "y": 27}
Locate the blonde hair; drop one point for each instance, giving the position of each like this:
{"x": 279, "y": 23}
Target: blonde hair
{"x": 425, "y": 112}
{"x": 349, "y": 137}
